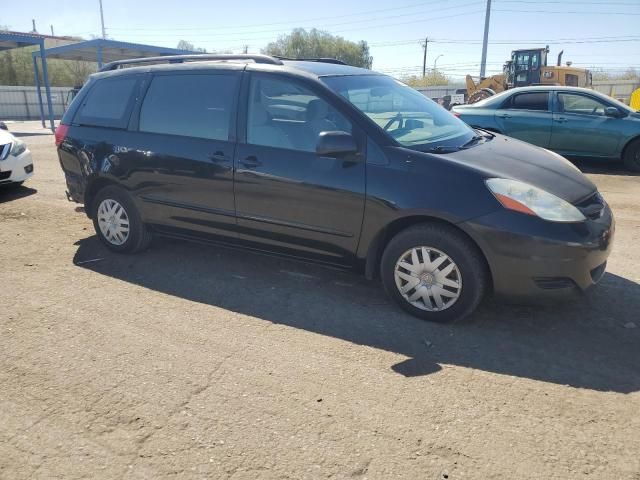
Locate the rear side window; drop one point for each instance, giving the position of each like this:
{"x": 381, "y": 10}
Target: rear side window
{"x": 529, "y": 101}
{"x": 190, "y": 105}
{"x": 108, "y": 103}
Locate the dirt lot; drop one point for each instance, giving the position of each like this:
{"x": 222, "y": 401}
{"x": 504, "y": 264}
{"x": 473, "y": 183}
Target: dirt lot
{"x": 193, "y": 361}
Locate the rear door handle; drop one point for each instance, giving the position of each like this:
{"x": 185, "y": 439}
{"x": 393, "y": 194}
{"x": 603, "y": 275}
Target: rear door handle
{"x": 251, "y": 162}
{"x": 560, "y": 119}
{"x": 504, "y": 115}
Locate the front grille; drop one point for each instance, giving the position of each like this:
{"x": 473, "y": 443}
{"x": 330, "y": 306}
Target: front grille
{"x": 5, "y": 175}
{"x": 553, "y": 283}
{"x": 592, "y": 206}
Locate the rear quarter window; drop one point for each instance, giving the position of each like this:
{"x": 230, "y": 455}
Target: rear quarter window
{"x": 529, "y": 101}
{"x": 108, "y": 103}
{"x": 190, "y": 105}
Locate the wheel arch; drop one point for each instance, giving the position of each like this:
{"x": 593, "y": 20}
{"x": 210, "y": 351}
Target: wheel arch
{"x": 623, "y": 152}
{"x": 93, "y": 187}
{"x": 384, "y": 236}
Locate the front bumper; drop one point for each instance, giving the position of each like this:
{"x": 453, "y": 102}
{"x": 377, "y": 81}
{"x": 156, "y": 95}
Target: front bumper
{"x": 16, "y": 169}
{"x": 532, "y": 258}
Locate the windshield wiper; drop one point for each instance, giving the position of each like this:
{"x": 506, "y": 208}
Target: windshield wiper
{"x": 473, "y": 140}
{"x": 443, "y": 149}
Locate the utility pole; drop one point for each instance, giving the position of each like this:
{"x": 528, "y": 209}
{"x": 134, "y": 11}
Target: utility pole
{"x": 33, "y": 23}
{"x": 245, "y": 49}
{"x": 485, "y": 41}
{"x": 435, "y": 62}
{"x": 52, "y": 34}
{"x": 424, "y": 58}
{"x": 102, "y": 20}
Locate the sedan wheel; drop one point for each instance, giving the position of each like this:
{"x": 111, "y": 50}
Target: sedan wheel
{"x": 428, "y": 279}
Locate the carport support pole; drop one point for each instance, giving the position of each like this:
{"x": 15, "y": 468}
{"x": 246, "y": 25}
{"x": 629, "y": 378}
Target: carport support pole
{"x": 36, "y": 76}
{"x": 45, "y": 75}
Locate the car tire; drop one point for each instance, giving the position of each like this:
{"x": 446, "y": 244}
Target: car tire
{"x": 463, "y": 266}
{"x": 117, "y": 221}
{"x": 631, "y": 157}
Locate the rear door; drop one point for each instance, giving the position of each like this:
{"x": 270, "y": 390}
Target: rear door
{"x": 288, "y": 196}
{"x": 527, "y": 116}
{"x": 184, "y": 143}
{"x": 580, "y": 126}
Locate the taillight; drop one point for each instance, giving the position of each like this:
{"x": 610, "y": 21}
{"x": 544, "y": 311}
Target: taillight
{"x": 61, "y": 133}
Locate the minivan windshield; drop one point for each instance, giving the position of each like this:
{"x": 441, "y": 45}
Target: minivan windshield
{"x": 408, "y": 116}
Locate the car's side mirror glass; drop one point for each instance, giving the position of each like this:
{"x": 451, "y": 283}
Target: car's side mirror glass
{"x": 331, "y": 144}
{"x": 612, "y": 112}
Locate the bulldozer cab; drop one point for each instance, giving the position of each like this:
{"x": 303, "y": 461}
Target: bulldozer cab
{"x": 525, "y": 67}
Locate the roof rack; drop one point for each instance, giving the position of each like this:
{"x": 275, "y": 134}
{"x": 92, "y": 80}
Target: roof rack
{"x": 320, "y": 60}
{"x": 199, "y": 57}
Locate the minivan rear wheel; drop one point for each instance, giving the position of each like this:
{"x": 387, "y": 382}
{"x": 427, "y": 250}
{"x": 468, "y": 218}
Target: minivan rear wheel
{"x": 434, "y": 272}
{"x": 117, "y": 221}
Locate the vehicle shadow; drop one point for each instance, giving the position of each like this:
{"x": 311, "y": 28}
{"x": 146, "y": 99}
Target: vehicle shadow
{"x": 603, "y": 167}
{"x": 10, "y": 192}
{"x": 32, "y": 134}
{"x": 583, "y": 344}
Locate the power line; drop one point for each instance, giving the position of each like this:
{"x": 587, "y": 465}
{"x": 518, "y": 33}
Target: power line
{"x": 565, "y": 12}
{"x": 565, "y": 2}
{"x": 249, "y": 39}
{"x": 279, "y": 31}
{"x": 307, "y": 20}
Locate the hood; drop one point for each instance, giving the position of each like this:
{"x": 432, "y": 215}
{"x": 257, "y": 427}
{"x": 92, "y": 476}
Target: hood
{"x": 507, "y": 157}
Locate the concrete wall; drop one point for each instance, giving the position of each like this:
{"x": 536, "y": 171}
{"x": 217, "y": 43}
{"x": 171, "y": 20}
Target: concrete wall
{"x": 21, "y": 103}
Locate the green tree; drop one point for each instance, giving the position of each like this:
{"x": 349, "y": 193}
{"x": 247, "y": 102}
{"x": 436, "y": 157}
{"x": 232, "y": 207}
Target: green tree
{"x": 432, "y": 79}
{"x": 184, "y": 45}
{"x": 314, "y": 43}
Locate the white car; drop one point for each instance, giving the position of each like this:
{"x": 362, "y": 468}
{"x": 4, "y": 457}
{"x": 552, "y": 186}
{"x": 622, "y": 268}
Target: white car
{"x": 16, "y": 164}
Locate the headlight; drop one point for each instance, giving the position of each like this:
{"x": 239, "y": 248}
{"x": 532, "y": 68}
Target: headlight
{"x": 525, "y": 198}
{"x": 18, "y": 147}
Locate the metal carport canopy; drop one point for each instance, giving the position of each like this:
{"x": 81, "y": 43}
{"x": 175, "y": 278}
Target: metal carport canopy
{"x": 11, "y": 40}
{"x": 101, "y": 51}
{"x": 104, "y": 51}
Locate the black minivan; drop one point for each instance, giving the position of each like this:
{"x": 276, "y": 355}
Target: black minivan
{"x": 323, "y": 161}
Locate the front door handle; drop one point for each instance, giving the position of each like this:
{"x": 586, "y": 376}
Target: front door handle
{"x": 504, "y": 115}
{"x": 251, "y": 162}
{"x": 219, "y": 156}
{"x": 560, "y": 119}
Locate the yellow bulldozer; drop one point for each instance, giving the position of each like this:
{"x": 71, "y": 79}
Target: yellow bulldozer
{"x": 528, "y": 67}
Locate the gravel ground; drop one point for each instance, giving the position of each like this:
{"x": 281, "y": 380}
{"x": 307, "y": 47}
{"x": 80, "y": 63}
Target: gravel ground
{"x": 192, "y": 361}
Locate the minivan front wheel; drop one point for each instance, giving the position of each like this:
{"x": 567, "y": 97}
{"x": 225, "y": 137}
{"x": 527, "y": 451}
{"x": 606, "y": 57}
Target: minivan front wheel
{"x": 117, "y": 221}
{"x": 434, "y": 272}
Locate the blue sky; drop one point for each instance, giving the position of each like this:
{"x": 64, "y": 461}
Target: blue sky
{"x": 603, "y": 34}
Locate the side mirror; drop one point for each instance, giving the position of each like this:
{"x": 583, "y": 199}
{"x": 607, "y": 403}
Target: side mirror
{"x": 335, "y": 143}
{"x": 3, "y": 126}
{"x": 612, "y": 112}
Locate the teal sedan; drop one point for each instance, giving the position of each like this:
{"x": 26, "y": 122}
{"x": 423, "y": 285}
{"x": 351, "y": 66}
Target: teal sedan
{"x": 574, "y": 122}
